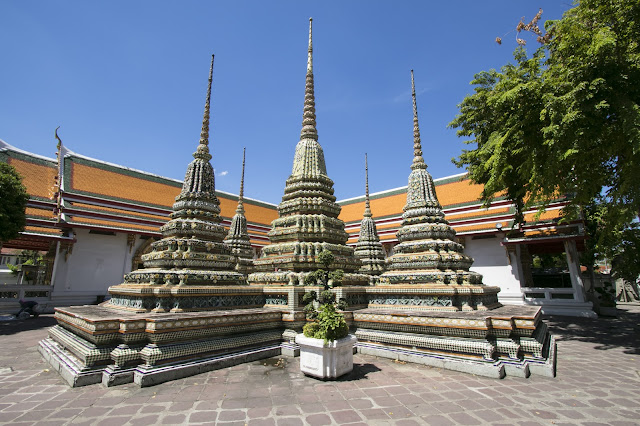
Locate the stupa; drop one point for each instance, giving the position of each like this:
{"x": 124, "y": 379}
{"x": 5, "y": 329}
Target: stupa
{"x": 429, "y": 308}
{"x": 238, "y": 237}
{"x": 369, "y": 248}
{"x": 191, "y": 255}
{"x": 187, "y": 311}
{"x": 308, "y": 214}
{"x": 427, "y": 253}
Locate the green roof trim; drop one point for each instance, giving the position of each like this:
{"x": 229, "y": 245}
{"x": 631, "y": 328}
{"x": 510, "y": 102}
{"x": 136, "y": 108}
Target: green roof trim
{"x": 5, "y": 154}
{"x": 122, "y": 170}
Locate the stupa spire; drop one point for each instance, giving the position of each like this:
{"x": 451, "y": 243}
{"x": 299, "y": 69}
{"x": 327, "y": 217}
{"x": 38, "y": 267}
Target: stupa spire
{"x": 367, "y": 206}
{"x": 369, "y": 248}
{"x": 237, "y": 238}
{"x": 309, "y": 130}
{"x": 203, "y": 146}
{"x": 418, "y": 161}
{"x": 310, "y": 54}
{"x": 240, "y": 208}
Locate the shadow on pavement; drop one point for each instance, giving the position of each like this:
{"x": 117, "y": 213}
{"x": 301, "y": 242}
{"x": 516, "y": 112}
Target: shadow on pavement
{"x": 13, "y": 326}
{"x": 359, "y": 372}
{"x": 605, "y": 332}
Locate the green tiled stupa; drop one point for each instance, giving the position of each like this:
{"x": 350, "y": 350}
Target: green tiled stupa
{"x": 238, "y": 237}
{"x": 369, "y": 248}
{"x": 308, "y": 214}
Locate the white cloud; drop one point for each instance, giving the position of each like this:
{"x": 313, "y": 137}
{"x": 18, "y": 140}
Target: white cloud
{"x": 226, "y": 172}
{"x": 407, "y": 95}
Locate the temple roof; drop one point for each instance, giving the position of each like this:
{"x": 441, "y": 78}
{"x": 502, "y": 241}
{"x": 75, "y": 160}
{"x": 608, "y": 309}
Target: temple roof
{"x": 110, "y": 196}
{"x": 99, "y": 195}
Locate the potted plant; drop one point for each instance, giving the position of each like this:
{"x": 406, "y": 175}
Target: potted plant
{"x": 326, "y": 347}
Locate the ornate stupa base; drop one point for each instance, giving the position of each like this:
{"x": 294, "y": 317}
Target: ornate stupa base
{"x": 430, "y": 277}
{"x": 504, "y": 341}
{"x": 183, "y": 298}
{"x": 93, "y": 344}
{"x": 424, "y": 297}
{"x": 113, "y": 344}
{"x": 289, "y": 278}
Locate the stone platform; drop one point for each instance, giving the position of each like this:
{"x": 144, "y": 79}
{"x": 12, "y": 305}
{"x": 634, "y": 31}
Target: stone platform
{"x": 504, "y": 341}
{"x": 93, "y": 344}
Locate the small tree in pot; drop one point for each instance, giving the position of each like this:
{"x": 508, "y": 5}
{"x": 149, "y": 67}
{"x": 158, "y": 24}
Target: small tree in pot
{"x": 326, "y": 348}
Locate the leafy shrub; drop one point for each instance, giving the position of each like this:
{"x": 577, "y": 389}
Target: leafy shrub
{"x": 330, "y": 325}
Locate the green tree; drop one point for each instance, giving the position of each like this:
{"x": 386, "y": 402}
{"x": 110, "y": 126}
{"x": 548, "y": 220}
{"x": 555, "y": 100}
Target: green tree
{"x": 565, "y": 120}
{"x": 13, "y": 201}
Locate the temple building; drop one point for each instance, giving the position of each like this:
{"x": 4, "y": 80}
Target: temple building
{"x": 92, "y": 221}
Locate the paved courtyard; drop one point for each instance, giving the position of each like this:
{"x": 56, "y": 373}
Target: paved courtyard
{"x": 598, "y": 383}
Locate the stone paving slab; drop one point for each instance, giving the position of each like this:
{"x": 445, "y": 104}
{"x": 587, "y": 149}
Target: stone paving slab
{"x": 598, "y": 383}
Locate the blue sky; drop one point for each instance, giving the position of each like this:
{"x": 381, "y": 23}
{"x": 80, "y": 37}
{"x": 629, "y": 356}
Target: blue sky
{"x": 126, "y": 81}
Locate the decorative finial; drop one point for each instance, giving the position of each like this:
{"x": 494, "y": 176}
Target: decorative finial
{"x": 367, "y": 206}
{"x": 310, "y": 55}
{"x": 240, "y": 208}
{"x": 418, "y": 161}
{"x": 309, "y": 113}
{"x": 203, "y": 147}
{"x": 59, "y": 141}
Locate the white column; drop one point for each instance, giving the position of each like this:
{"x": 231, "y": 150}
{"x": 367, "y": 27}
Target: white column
{"x": 573, "y": 261}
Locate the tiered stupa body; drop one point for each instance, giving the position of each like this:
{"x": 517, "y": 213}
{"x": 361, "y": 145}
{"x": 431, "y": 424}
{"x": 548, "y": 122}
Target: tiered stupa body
{"x": 191, "y": 252}
{"x": 308, "y": 214}
{"x": 369, "y": 248}
{"x": 188, "y": 311}
{"x": 238, "y": 237}
{"x": 427, "y": 253}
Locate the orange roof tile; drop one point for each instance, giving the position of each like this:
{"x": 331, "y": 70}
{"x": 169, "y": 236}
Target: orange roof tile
{"x": 254, "y": 213}
{"x": 545, "y": 216}
{"x": 460, "y": 192}
{"x": 111, "y": 184}
{"x": 45, "y": 213}
{"x": 476, "y": 213}
{"x": 491, "y": 226}
{"x": 259, "y": 214}
{"x": 37, "y": 178}
{"x": 42, "y": 230}
{"x": 380, "y": 207}
{"x": 115, "y": 210}
{"x": 113, "y": 224}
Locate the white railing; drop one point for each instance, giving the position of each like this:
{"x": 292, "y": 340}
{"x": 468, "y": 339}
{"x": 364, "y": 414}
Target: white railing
{"x": 9, "y": 292}
{"x": 546, "y": 294}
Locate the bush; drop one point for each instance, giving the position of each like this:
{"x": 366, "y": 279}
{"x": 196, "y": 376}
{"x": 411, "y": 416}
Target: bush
{"x": 330, "y": 325}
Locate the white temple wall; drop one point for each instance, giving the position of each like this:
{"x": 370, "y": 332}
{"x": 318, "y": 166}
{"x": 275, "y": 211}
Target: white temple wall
{"x": 96, "y": 262}
{"x": 492, "y": 261}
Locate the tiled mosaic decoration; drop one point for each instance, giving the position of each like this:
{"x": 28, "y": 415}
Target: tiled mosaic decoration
{"x": 308, "y": 214}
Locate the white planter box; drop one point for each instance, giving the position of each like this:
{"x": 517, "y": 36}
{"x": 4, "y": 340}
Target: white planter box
{"x": 326, "y": 360}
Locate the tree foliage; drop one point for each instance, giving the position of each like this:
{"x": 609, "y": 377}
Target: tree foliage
{"x": 13, "y": 201}
{"x": 567, "y": 119}
{"x": 617, "y": 241}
